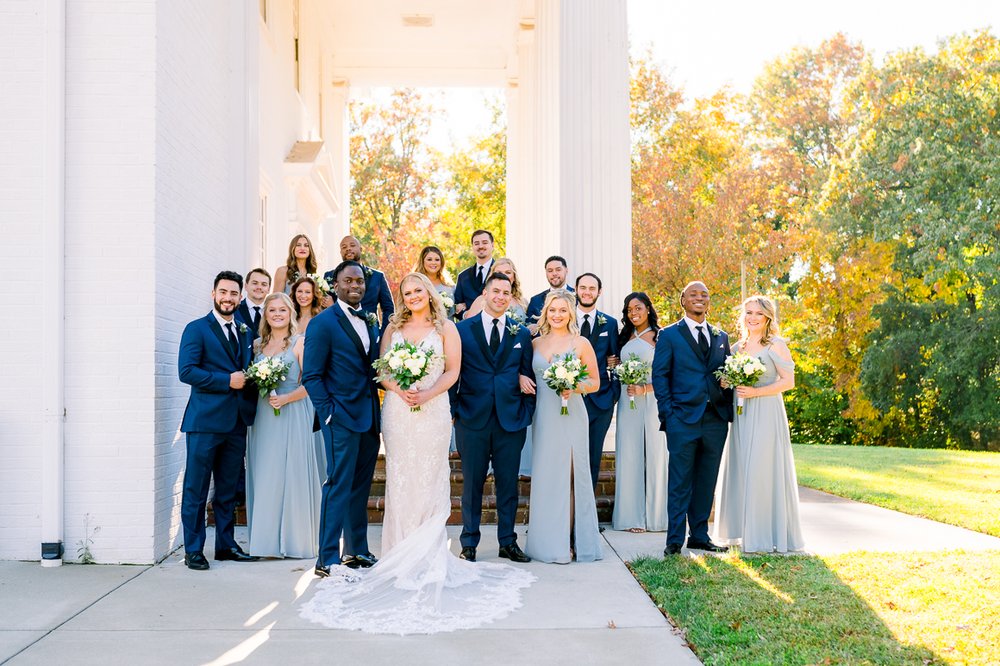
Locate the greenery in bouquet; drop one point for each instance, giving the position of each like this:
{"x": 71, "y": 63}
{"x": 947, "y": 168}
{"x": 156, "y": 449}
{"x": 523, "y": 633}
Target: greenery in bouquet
{"x": 631, "y": 372}
{"x": 564, "y": 374}
{"x": 267, "y": 373}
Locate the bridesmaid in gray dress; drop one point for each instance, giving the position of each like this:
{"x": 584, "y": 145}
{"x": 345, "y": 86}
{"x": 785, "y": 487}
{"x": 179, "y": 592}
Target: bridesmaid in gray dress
{"x": 283, "y": 478}
{"x": 640, "y": 445}
{"x": 301, "y": 262}
{"x": 757, "y": 496}
{"x": 562, "y": 517}
{"x": 432, "y": 264}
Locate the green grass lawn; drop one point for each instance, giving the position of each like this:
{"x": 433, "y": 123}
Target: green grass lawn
{"x": 956, "y": 487}
{"x": 859, "y": 608}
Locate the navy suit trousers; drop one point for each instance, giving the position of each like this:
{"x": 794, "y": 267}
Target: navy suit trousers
{"x": 478, "y": 448}
{"x": 695, "y": 454}
{"x": 219, "y": 455}
{"x": 600, "y": 421}
{"x": 350, "y": 465}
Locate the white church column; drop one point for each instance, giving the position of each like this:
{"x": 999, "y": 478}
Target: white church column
{"x": 336, "y": 135}
{"x": 580, "y": 191}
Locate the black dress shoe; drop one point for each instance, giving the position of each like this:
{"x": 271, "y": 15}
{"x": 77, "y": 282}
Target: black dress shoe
{"x": 513, "y": 553}
{"x": 322, "y": 571}
{"x": 236, "y": 554}
{"x": 672, "y": 549}
{"x": 468, "y": 553}
{"x": 705, "y": 545}
{"x": 350, "y": 562}
{"x": 366, "y": 560}
{"x": 196, "y": 561}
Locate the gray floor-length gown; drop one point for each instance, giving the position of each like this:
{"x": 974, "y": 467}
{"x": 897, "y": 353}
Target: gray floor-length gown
{"x": 757, "y": 496}
{"x": 283, "y": 479}
{"x": 561, "y": 442}
{"x": 640, "y": 457}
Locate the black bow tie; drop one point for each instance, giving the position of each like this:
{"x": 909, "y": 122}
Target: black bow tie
{"x": 359, "y": 313}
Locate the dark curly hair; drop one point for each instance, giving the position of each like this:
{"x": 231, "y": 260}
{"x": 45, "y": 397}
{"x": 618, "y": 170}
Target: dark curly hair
{"x": 628, "y": 328}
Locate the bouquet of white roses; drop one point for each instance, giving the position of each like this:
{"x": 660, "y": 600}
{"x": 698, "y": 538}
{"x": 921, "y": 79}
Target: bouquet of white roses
{"x": 322, "y": 286}
{"x": 267, "y": 373}
{"x": 515, "y": 317}
{"x": 632, "y": 371}
{"x": 406, "y": 364}
{"x": 741, "y": 370}
{"x": 447, "y": 300}
{"x": 564, "y": 374}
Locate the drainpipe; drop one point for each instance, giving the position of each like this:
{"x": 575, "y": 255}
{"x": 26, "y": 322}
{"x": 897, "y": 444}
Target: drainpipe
{"x": 53, "y": 280}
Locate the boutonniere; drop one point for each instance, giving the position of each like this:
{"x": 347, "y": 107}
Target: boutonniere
{"x": 514, "y": 328}
{"x": 243, "y": 328}
{"x": 713, "y": 330}
{"x": 371, "y": 319}
{"x": 601, "y": 320}
{"x": 367, "y": 272}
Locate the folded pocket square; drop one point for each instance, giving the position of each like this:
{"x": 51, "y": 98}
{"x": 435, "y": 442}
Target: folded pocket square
{"x": 328, "y": 419}
{"x": 603, "y": 334}
{"x": 517, "y": 346}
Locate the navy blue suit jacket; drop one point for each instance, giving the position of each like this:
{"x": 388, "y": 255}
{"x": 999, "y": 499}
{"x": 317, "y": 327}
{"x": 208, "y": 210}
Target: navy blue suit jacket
{"x": 246, "y": 317}
{"x": 683, "y": 380}
{"x": 486, "y": 382}
{"x": 604, "y": 339}
{"x": 537, "y": 302}
{"x": 377, "y": 293}
{"x": 467, "y": 287}
{"x": 338, "y": 374}
{"x": 205, "y": 361}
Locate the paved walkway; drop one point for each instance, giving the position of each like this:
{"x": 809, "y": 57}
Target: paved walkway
{"x": 592, "y": 613}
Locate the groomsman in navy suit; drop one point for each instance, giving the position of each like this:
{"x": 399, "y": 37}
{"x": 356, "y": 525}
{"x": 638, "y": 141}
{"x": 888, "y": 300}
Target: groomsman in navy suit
{"x": 377, "y": 293}
{"x": 214, "y": 352}
{"x": 472, "y": 280}
{"x": 251, "y": 310}
{"x": 695, "y": 412}
{"x": 491, "y": 411}
{"x": 602, "y": 331}
{"x": 556, "y": 273}
{"x": 337, "y": 372}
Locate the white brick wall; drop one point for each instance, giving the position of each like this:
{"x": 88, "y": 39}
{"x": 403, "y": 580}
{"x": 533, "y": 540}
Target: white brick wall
{"x": 20, "y": 219}
{"x": 155, "y": 207}
{"x": 110, "y": 92}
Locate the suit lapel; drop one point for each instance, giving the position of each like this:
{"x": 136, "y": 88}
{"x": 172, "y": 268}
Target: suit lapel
{"x": 480, "y": 336}
{"x": 213, "y": 324}
{"x": 351, "y": 333}
{"x": 686, "y": 334}
{"x": 505, "y": 347}
{"x": 595, "y": 331}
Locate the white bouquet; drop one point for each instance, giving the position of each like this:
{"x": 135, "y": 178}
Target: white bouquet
{"x": 741, "y": 370}
{"x": 564, "y": 374}
{"x": 633, "y": 371}
{"x": 447, "y": 300}
{"x": 406, "y": 364}
{"x": 322, "y": 286}
{"x": 267, "y": 373}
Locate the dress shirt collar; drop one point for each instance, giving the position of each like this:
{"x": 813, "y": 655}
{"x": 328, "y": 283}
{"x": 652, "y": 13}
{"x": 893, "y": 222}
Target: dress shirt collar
{"x": 222, "y": 321}
{"x": 691, "y": 323}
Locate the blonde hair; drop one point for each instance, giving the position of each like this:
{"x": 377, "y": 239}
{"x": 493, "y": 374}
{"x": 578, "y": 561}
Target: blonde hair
{"x": 265, "y": 327}
{"x": 403, "y": 314}
{"x": 515, "y": 283}
{"x": 543, "y": 319}
{"x": 771, "y": 330}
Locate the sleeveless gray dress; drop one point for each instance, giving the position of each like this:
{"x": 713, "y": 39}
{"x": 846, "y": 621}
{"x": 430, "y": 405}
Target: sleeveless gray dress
{"x": 561, "y": 443}
{"x": 640, "y": 457}
{"x": 283, "y": 476}
{"x": 757, "y": 496}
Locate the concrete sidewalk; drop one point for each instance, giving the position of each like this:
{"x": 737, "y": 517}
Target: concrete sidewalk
{"x": 248, "y": 613}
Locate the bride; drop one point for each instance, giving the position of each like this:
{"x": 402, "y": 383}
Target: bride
{"x": 418, "y": 586}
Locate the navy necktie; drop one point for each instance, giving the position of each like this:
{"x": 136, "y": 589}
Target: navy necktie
{"x": 234, "y": 342}
{"x": 495, "y": 337}
{"x": 702, "y": 341}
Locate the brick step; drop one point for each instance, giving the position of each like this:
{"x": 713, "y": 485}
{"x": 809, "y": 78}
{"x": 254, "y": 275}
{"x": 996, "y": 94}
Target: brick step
{"x": 376, "y": 501}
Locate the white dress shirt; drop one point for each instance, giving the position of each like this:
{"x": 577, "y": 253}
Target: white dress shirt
{"x": 691, "y": 323}
{"x": 488, "y": 325}
{"x": 359, "y": 325}
{"x": 256, "y": 310}
{"x": 223, "y": 323}
{"x": 580, "y": 314}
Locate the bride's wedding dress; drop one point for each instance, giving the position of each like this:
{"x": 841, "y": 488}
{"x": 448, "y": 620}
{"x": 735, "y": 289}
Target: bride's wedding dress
{"x": 418, "y": 585}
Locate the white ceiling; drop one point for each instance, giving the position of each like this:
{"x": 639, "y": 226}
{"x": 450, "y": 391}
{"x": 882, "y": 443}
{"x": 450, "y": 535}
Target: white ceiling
{"x": 468, "y": 42}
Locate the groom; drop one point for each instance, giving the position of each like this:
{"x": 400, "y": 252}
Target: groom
{"x": 491, "y": 414}
{"x": 338, "y": 376}
{"x": 695, "y": 412}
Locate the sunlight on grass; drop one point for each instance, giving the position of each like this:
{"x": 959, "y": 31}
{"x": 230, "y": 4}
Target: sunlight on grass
{"x": 858, "y": 608}
{"x": 956, "y": 487}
